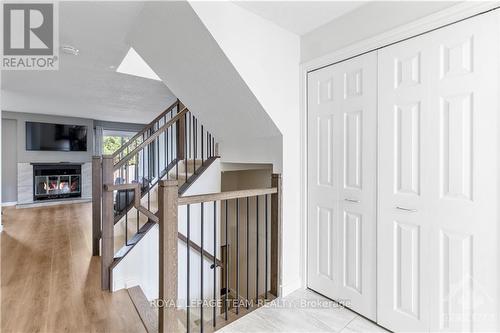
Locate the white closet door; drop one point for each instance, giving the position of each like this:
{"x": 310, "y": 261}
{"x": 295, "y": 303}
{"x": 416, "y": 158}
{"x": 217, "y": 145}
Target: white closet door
{"x": 342, "y": 180}
{"x": 402, "y": 248}
{"x": 438, "y": 150}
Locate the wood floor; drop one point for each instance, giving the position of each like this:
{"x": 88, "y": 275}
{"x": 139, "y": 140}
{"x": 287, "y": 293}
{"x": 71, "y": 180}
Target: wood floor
{"x": 49, "y": 280}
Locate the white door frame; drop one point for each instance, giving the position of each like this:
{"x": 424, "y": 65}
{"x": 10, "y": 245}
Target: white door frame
{"x": 431, "y": 22}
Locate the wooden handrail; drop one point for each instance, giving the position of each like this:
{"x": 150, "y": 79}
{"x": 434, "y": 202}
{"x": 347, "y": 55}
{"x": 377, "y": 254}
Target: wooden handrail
{"x": 145, "y": 129}
{"x": 150, "y": 139}
{"x": 197, "y": 248}
{"x": 193, "y": 199}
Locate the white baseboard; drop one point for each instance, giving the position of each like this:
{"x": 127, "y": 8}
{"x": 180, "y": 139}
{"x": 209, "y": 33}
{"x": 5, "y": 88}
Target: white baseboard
{"x": 42, "y": 203}
{"x": 8, "y": 204}
{"x": 287, "y": 289}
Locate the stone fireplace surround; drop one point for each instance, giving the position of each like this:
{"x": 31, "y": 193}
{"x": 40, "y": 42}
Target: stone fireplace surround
{"x": 25, "y": 184}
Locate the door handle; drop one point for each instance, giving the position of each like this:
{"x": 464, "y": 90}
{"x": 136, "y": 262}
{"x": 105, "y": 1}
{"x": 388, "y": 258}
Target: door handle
{"x": 351, "y": 200}
{"x": 406, "y": 209}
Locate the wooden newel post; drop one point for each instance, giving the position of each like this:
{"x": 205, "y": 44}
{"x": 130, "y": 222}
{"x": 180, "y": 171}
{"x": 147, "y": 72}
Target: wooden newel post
{"x": 276, "y": 213}
{"x": 96, "y": 203}
{"x": 167, "y": 209}
{"x": 107, "y": 222}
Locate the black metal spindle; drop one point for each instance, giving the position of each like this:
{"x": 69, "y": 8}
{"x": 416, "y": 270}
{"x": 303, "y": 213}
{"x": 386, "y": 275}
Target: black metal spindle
{"x": 247, "y": 251}
{"x": 149, "y": 177}
{"x": 136, "y": 172}
{"x": 190, "y": 135}
{"x": 202, "y": 159}
{"x": 266, "y": 253}
{"x": 158, "y": 157}
{"x": 227, "y": 265}
{"x": 165, "y": 145}
{"x": 208, "y": 145}
{"x": 257, "y": 248}
{"x": 213, "y": 146}
{"x": 201, "y": 270}
{"x": 126, "y": 204}
{"x": 143, "y": 166}
{"x": 136, "y": 169}
{"x": 238, "y": 255}
{"x": 171, "y": 138}
{"x": 186, "y": 147}
{"x": 194, "y": 145}
{"x": 187, "y": 270}
{"x": 214, "y": 314}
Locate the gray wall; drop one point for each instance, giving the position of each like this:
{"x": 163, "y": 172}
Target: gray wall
{"x": 49, "y": 156}
{"x": 14, "y": 145}
{"x": 364, "y": 22}
{"x": 9, "y": 160}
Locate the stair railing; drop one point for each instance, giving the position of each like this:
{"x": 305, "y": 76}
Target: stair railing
{"x": 237, "y": 286}
{"x": 125, "y": 182}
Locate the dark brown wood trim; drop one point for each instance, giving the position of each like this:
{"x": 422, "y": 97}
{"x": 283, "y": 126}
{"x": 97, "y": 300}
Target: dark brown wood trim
{"x": 147, "y": 128}
{"x": 96, "y": 204}
{"x": 167, "y": 209}
{"x": 228, "y": 195}
{"x": 276, "y": 225}
{"x": 107, "y": 223}
{"x": 150, "y": 139}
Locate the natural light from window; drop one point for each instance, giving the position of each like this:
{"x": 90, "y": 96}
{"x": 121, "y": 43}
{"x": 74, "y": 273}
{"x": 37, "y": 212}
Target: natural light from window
{"x": 133, "y": 64}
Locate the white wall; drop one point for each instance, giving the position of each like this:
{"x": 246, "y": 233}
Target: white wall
{"x": 173, "y": 41}
{"x": 364, "y": 22}
{"x": 267, "y": 58}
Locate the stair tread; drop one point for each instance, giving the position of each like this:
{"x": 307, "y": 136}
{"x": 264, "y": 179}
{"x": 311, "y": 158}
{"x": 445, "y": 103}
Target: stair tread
{"x": 147, "y": 313}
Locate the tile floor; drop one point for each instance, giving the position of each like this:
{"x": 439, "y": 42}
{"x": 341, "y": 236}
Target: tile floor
{"x": 290, "y": 315}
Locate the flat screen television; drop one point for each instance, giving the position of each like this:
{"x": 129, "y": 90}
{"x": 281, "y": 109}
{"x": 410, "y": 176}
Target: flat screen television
{"x": 55, "y": 137}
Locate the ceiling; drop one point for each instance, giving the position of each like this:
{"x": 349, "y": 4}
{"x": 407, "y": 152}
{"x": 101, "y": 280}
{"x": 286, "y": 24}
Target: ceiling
{"x": 88, "y": 85}
{"x": 300, "y": 17}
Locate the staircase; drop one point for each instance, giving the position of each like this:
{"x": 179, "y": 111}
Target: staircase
{"x": 173, "y": 146}
{"x": 142, "y": 188}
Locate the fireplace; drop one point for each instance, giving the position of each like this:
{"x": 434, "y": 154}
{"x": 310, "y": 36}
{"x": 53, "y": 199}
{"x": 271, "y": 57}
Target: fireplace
{"x": 56, "y": 181}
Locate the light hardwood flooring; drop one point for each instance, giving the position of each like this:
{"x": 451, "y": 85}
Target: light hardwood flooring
{"x": 302, "y": 311}
{"x": 49, "y": 280}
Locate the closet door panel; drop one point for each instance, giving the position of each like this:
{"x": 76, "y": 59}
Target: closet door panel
{"x": 342, "y": 179}
{"x": 464, "y": 229}
{"x": 402, "y": 244}
{"x": 438, "y": 180}
{"x": 358, "y": 185}
{"x": 324, "y": 121}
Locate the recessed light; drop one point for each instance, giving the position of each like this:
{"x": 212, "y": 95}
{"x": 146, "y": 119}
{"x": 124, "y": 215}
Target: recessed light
{"x": 68, "y": 49}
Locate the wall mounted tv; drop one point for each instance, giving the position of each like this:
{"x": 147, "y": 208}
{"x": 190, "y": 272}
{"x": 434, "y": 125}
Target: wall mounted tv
{"x": 55, "y": 137}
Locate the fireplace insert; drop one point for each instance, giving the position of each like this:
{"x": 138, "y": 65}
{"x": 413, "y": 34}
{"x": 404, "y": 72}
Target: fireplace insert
{"x": 56, "y": 181}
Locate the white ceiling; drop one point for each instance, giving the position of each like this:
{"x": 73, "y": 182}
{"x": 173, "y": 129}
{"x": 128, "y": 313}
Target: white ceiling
{"x": 300, "y": 17}
{"x": 88, "y": 85}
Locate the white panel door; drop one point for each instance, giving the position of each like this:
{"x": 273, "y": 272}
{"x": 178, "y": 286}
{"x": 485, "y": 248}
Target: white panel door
{"x": 438, "y": 150}
{"x": 342, "y": 180}
{"x": 402, "y": 249}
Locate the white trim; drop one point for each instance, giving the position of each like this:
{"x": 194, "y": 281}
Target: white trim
{"x": 43, "y": 203}
{"x": 447, "y": 16}
{"x": 8, "y": 204}
{"x": 289, "y": 288}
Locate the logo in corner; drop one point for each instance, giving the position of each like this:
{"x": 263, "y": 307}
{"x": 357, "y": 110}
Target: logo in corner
{"x": 29, "y": 36}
